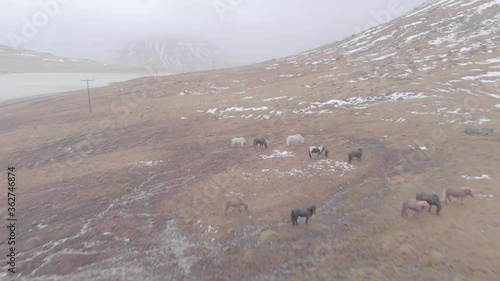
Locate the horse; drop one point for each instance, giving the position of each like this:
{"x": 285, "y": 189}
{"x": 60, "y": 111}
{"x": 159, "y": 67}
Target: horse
{"x": 413, "y": 205}
{"x": 235, "y": 203}
{"x": 432, "y": 199}
{"x": 318, "y": 149}
{"x": 294, "y": 139}
{"x": 307, "y": 213}
{"x": 259, "y": 142}
{"x": 457, "y": 192}
{"x": 355, "y": 153}
{"x": 240, "y": 140}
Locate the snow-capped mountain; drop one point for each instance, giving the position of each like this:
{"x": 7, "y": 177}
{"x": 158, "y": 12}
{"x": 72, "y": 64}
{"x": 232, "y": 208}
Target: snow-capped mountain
{"x": 451, "y": 44}
{"x": 173, "y": 55}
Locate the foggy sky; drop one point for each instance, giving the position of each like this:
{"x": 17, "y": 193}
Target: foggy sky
{"x": 246, "y": 29}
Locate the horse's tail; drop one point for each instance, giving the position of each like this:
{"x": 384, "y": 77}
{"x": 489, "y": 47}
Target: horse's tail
{"x": 349, "y": 157}
{"x": 292, "y": 215}
{"x": 444, "y": 195}
{"x": 310, "y": 154}
{"x": 403, "y": 209}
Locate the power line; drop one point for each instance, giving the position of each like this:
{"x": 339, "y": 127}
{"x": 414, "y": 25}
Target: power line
{"x": 88, "y": 91}
{"x": 156, "y": 66}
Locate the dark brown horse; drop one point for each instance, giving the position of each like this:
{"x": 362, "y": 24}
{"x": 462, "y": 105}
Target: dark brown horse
{"x": 307, "y": 213}
{"x": 432, "y": 199}
{"x": 457, "y": 192}
{"x": 259, "y": 142}
{"x": 355, "y": 153}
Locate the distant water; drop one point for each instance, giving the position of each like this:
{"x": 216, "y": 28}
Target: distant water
{"x": 22, "y": 85}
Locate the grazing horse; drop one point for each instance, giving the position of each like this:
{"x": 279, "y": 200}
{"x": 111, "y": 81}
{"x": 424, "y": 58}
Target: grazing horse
{"x": 457, "y": 192}
{"x": 318, "y": 149}
{"x": 259, "y": 142}
{"x": 355, "y": 153}
{"x": 307, "y": 213}
{"x": 240, "y": 140}
{"x": 413, "y": 205}
{"x": 432, "y": 199}
{"x": 235, "y": 203}
{"x": 294, "y": 139}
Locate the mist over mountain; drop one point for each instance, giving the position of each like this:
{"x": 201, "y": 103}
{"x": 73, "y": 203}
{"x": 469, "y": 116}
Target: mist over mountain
{"x": 173, "y": 55}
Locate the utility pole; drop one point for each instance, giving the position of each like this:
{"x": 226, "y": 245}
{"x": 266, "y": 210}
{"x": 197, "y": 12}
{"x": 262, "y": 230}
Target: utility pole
{"x": 88, "y": 91}
{"x": 156, "y": 66}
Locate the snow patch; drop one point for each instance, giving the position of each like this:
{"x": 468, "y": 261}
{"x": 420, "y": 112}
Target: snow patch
{"x": 239, "y": 108}
{"x": 145, "y": 163}
{"x": 275, "y": 98}
{"x": 278, "y": 154}
{"x": 481, "y": 177}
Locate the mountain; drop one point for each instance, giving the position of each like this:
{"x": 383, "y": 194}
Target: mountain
{"x": 22, "y": 60}
{"x": 173, "y": 55}
{"x": 453, "y": 43}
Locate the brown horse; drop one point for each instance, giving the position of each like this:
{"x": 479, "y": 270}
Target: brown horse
{"x": 457, "y": 192}
{"x": 413, "y": 205}
{"x": 235, "y": 203}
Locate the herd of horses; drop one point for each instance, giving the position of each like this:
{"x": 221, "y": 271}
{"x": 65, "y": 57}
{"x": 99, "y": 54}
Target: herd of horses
{"x": 294, "y": 139}
{"x": 420, "y": 203}
{"x": 259, "y": 142}
{"x": 424, "y": 200}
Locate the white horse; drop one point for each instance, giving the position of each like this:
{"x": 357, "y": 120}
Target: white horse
{"x": 240, "y": 140}
{"x": 294, "y": 139}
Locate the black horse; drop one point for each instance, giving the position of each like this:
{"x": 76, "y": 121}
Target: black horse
{"x": 355, "y": 153}
{"x": 307, "y": 213}
{"x": 318, "y": 149}
{"x": 260, "y": 141}
{"x": 432, "y": 199}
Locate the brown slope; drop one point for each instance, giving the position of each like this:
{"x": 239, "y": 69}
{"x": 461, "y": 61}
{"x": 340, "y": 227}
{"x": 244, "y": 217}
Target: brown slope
{"x": 136, "y": 189}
